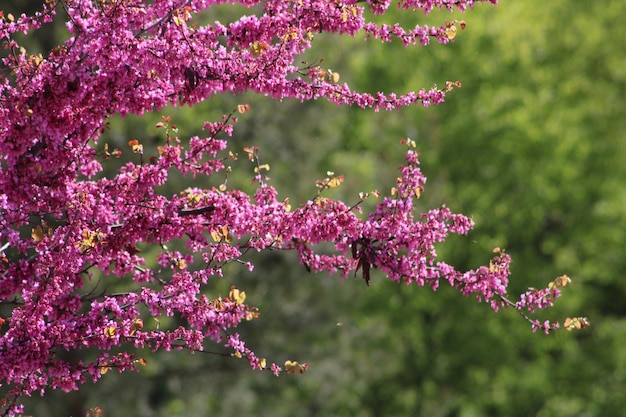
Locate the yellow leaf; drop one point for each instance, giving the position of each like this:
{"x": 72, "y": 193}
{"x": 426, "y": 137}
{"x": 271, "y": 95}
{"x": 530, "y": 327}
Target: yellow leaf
{"x": 237, "y": 296}
{"x": 221, "y": 235}
{"x": 136, "y": 146}
{"x": 110, "y": 331}
{"x": 251, "y": 151}
{"x": 38, "y": 234}
{"x": 252, "y": 314}
{"x": 290, "y": 366}
{"x": 226, "y": 234}
{"x": 293, "y": 367}
{"x": 562, "y": 281}
{"x": 37, "y": 59}
{"x": 576, "y": 323}
{"x": 258, "y": 47}
{"x": 194, "y": 198}
{"x": 94, "y": 411}
{"x": 90, "y": 239}
{"x": 181, "y": 264}
{"x": 333, "y": 183}
{"x": 217, "y": 304}
{"x": 451, "y": 32}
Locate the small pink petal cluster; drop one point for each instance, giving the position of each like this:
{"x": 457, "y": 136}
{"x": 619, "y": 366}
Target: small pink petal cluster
{"x": 64, "y": 226}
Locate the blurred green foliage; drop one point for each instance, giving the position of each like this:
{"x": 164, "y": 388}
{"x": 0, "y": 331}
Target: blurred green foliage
{"x": 533, "y": 146}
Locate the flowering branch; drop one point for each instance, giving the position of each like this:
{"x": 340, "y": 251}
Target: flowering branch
{"x": 65, "y": 228}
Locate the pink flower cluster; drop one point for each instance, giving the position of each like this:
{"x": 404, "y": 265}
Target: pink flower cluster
{"x": 64, "y": 226}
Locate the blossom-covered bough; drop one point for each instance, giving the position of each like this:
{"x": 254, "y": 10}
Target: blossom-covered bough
{"x": 62, "y": 223}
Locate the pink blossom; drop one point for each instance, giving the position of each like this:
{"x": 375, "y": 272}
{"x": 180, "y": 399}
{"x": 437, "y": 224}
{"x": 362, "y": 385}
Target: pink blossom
{"x": 133, "y": 57}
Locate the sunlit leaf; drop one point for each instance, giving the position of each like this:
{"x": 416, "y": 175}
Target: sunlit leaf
{"x": 218, "y": 304}
{"x": 136, "y": 146}
{"x": 576, "y": 323}
{"x": 38, "y": 234}
{"x": 252, "y": 314}
{"x": 181, "y": 263}
{"x": 258, "y": 47}
{"x": 94, "y": 412}
{"x": 293, "y": 367}
{"x": 451, "y": 32}
{"x": 335, "y": 181}
{"x": 560, "y": 282}
{"x": 138, "y": 324}
{"x": 221, "y": 235}
{"x": 236, "y": 295}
